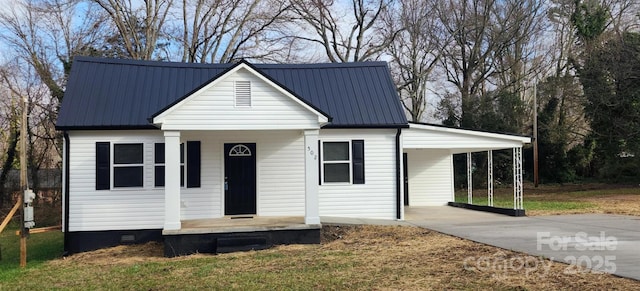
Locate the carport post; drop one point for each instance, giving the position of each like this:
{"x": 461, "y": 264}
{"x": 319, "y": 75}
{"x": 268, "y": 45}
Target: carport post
{"x": 490, "y": 177}
{"x": 469, "y": 180}
{"x": 517, "y": 178}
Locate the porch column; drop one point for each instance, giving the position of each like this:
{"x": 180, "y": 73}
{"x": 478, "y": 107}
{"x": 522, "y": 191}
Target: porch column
{"x": 172, "y": 180}
{"x": 517, "y": 178}
{"x": 311, "y": 203}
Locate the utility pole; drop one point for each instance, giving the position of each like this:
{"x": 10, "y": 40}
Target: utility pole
{"x": 24, "y": 232}
{"x": 535, "y": 134}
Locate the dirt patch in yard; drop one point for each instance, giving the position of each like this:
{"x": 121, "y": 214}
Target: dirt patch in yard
{"x": 349, "y": 257}
{"x": 617, "y": 204}
{"x": 126, "y": 254}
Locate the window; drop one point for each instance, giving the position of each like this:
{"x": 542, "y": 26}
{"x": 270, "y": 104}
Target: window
{"x": 128, "y": 165}
{"x": 343, "y": 162}
{"x": 337, "y": 161}
{"x": 240, "y": 150}
{"x": 190, "y": 169}
{"x": 243, "y": 93}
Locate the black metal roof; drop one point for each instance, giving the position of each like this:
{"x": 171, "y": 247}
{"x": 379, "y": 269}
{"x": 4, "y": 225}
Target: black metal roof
{"x": 121, "y": 94}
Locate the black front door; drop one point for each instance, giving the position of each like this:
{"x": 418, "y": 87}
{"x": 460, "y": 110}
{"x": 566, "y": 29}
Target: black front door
{"x": 239, "y": 178}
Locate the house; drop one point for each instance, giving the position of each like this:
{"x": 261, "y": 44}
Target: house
{"x": 221, "y": 157}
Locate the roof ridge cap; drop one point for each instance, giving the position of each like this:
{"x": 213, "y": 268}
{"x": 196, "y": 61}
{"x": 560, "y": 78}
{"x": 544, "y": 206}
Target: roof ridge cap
{"x": 152, "y": 63}
{"x": 148, "y": 63}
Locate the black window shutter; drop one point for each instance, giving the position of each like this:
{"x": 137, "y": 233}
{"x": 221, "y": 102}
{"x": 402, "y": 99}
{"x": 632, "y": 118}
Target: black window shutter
{"x": 103, "y": 163}
{"x": 193, "y": 164}
{"x": 357, "y": 148}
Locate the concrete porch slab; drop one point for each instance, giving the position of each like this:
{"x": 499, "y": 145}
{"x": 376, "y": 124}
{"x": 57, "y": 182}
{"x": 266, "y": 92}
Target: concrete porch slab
{"x": 231, "y": 224}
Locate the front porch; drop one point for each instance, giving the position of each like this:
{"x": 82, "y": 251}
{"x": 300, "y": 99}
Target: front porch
{"x": 238, "y": 233}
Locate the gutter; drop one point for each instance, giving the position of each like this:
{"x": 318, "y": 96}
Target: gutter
{"x": 398, "y": 178}
{"x": 66, "y": 192}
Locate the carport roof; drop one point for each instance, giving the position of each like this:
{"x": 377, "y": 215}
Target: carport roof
{"x": 457, "y": 140}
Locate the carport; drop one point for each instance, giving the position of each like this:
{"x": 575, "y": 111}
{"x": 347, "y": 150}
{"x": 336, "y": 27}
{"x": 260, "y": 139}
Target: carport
{"x": 428, "y": 151}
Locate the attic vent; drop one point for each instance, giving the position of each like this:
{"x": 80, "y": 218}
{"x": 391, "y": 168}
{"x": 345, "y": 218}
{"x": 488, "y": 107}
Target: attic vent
{"x": 243, "y": 93}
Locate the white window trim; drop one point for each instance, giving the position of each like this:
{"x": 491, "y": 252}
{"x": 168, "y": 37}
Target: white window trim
{"x": 114, "y": 165}
{"x": 323, "y": 162}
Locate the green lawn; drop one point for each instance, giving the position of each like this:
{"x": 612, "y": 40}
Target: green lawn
{"x": 567, "y": 199}
{"x": 41, "y": 247}
{"x": 530, "y": 203}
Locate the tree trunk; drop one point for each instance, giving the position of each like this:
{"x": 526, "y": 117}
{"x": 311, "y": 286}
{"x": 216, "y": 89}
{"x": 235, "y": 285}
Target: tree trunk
{"x": 7, "y": 164}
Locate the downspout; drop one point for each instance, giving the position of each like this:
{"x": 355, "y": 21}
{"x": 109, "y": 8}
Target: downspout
{"x": 398, "y": 178}
{"x": 66, "y": 192}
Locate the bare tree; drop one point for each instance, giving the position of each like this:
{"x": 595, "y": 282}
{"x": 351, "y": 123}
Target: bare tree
{"x": 44, "y": 36}
{"x": 19, "y": 81}
{"x": 562, "y": 48}
{"x": 48, "y": 34}
{"x": 487, "y": 49}
{"x": 467, "y": 55}
{"x": 415, "y": 51}
{"x": 139, "y": 26}
{"x": 625, "y": 15}
{"x": 221, "y": 30}
{"x": 559, "y": 85}
{"x": 344, "y": 31}
{"x": 10, "y": 132}
{"x": 521, "y": 31}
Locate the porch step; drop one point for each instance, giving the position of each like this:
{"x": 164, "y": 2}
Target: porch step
{"x": 185, "y": 244}
{"x": 241, "y": 243}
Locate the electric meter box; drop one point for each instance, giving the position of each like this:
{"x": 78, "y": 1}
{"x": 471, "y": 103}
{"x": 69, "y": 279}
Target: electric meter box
{"x": 28, "y": 208}
{"x": 29, "y": 196}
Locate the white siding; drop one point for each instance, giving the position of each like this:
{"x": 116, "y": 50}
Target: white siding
{"x": 377, "y": 197}
{"x": 280, "y": 185}
{"x": 116, "y": 209}
{"x": 214, "y": 109}
{"x": 430, "y": 176}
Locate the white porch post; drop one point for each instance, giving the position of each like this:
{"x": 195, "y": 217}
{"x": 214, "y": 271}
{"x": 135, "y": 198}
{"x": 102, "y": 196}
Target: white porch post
{"x": 517, "y": 178}
{"x": 469, "y": 180}
{"x": 172, "y": 180}
{"x": 490, "y": 177}
{"x": 311, "y": 203}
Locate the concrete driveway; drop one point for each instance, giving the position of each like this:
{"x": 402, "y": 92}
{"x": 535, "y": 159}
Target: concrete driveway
{"x": 608, "y": 243}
